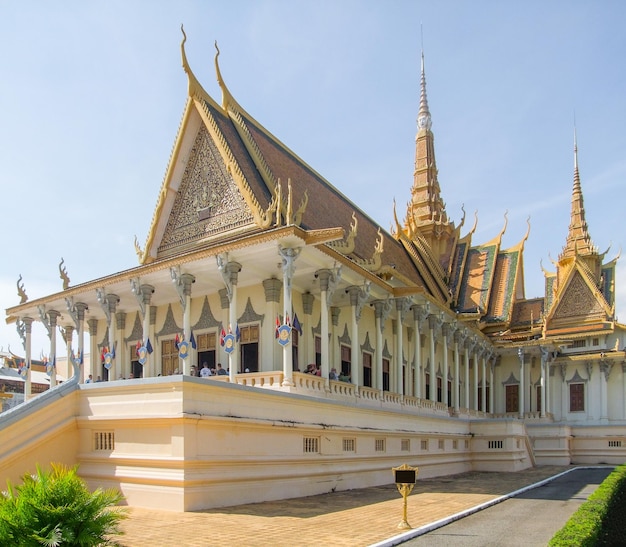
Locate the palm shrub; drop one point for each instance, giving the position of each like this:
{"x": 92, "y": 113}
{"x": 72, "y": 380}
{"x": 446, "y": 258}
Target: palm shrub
{"x": 55, "y": 508}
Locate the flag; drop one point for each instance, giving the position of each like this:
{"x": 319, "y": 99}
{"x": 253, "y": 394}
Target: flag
{"x": 80, "y": 357}
{"x": 103, "y": 352}
{"x": 277, "y": 326}
{"x": 149, "y": 346}
{"x": 296, "y": 324}
{"x": 137, "y": 346}
{"x": 113, "y": 351}
{"x": 193, "y": 341}
{"x": 222, "y": 335}
{"x": 237, "y": 333}
{"x": 176, "y": 341}
{"x": 287, "y": 319}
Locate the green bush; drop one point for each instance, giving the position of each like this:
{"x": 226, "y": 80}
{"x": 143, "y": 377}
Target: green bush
{"x": 595, "y": 519}
{"x": 55, "y": 508}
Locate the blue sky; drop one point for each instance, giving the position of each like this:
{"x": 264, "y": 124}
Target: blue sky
{"x": 92, "y": 93}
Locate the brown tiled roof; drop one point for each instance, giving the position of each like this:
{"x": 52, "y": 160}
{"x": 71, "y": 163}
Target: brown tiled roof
{"x": 503, "y": 287}
{"x": 327, "y": 207}
{"x": 526, "y": 310}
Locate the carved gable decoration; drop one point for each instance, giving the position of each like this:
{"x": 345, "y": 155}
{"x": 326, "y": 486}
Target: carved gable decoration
{"x": 169, "y": 325}
{"x": 249, "y": 315}
{"x": 578, "y": 300}
{"x": 207, "y": 319}
{"x": 208, "y": 200}
{"x": 137, "y": 332}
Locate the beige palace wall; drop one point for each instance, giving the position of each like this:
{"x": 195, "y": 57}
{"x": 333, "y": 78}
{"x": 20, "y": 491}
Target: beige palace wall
{"x": 184, "y": 443}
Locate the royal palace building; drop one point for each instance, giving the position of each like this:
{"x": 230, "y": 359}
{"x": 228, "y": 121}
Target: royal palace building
{"x": 347, "y": 349}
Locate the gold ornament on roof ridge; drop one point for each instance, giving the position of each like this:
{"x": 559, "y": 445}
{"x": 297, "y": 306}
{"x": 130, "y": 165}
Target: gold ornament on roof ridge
{"x": 346, "y": 246}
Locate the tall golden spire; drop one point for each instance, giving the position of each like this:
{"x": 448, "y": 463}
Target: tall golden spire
{"x": 426, "y": 211}
{"x": 578, "y": 239}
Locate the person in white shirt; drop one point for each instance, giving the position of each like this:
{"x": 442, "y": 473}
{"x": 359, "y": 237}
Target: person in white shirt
{"x": 206, "y": 371}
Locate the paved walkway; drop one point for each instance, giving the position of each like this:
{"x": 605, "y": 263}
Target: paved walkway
{"x": 354, "y": 518}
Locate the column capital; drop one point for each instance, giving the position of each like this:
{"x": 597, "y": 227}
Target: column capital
{"x": 67, "y": 332}
{"x": 112, "y": 300}
{"x": 272, "y": 288}
{"x": 420, "y": 312}
{"x": 334, "y": 312}
{"x": 120, "y": 318}
{"x": 53, "y": 315}
{"x": 93, "y": 326}
{"x": 81, "y": 308}
{"x": 28, "y": 323}
{"x": 307, "y": 303}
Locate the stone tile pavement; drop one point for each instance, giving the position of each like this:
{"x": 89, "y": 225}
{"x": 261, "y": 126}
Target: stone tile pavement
{"x": 352, "y": 518}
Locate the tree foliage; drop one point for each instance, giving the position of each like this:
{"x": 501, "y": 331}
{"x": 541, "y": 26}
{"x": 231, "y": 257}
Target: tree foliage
{"x": 55, "y": 508}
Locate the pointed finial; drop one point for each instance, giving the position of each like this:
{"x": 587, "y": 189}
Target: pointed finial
{"x": 423, "y": 117}
{"x": 63, "y": 274}
{"x": 20, "y": 290}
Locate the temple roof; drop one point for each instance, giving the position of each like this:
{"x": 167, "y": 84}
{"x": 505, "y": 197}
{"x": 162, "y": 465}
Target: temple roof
{"x": 265, "y": 184}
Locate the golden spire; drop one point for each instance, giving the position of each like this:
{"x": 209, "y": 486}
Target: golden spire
{"x": 426, "y": 207}
{"x": 426, "y": 215}
{"x": 578, "y": 239}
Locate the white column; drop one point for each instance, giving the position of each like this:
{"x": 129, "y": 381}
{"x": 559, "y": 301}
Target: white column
{"x": 445, "y": 332}
{"x": 94, "y": 362}
{"x": 466, "y": 382}
{"x": 548, "y": 404}
{"x": 53, "y": 316}
{"x": 379, "y": 313}
{"x": 272, "y": 288}
{"x": 400, "y": 308}
{"x": 121, "y": 355}
{"x": 309, "y": 341}
{"x": 542, "y": 380}
{"x": 80, "y": 308}
{"x": 419, "y": 314}
{"x": 27, "y": 323}
{"x": 355, "y": 349}
{"x": 432, "y": 325}
{"x": 605, "y": 372}
{"x": 69, "y": 332}
{"x": 144, "y": 296}
{"x": 109, "y": 305}
{"x": 483, "y": 397}
{"x": 289, "y": 256}
{"x": 324, "y": 277}
{"x": 458, "y": 338}
{"x": 477, "y": 351}
{"x": 522, "y": 389}
{"x": 492, "y": 387}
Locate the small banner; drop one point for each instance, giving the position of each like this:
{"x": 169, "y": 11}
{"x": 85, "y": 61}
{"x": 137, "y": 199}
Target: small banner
{"x": 229, "y": 343}
{"x": 108, "y": 360}
{"x": 284, "y": 333}
{"x": 142, "y": 355}
{"x": 183, "y": 349}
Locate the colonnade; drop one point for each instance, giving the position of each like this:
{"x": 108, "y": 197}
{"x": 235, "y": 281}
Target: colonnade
{"x": 431, "y": 350}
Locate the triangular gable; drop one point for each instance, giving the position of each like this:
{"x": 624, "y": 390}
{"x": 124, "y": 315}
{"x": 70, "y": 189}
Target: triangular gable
{"x": 208, "y": 201}
{"x": 577, "y": 303}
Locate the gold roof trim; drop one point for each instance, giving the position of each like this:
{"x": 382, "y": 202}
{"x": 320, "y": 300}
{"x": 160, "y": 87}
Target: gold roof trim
{"x": 375, "y": 263}
{"x": 346, "y": 246}
{"x": 145, "y": 255}
{"x": 194, "y": 89}
{"x": 233, "y": 167}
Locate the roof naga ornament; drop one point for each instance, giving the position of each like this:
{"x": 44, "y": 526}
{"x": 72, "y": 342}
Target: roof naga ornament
{"x": 63, "y": 275}
{"x": 346, "y": 246}
{"x": 20, "y": 290}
